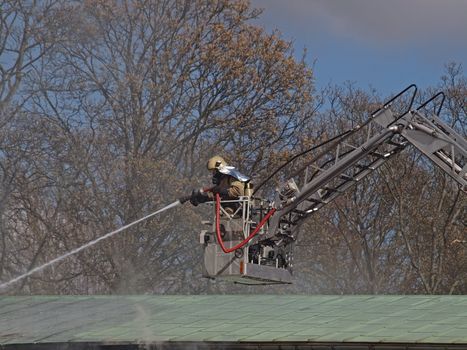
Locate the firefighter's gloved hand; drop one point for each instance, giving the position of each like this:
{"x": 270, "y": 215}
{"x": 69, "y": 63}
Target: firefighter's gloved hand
{"x": 198, "y": 197}
{"x": 223, "y": 192}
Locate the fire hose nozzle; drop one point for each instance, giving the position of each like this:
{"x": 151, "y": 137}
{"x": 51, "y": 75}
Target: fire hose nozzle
{"x": 194, "y": 197}
{"x": 184, "y": 199}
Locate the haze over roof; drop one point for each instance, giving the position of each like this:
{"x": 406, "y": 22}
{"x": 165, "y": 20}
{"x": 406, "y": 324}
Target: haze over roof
{"x": 275, "y": 319}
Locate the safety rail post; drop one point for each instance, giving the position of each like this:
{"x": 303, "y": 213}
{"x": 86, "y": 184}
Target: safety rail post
{"x": 432, "y": 98}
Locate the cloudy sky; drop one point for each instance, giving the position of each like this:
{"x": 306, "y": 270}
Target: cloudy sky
{"x": 385, "y": 44}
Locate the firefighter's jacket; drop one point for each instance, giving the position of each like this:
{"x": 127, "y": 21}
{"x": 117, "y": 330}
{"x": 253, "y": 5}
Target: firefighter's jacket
{"x": 228, "y": 188}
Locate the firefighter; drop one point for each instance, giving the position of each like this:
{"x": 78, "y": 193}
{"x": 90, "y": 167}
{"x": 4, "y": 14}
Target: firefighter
{"x": 228, "y": 182}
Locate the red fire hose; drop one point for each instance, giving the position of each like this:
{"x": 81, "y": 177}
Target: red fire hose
{"x": 246, "y": 240}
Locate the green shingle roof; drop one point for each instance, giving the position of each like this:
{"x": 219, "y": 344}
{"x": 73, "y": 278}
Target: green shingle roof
{"x": 234, "y": 318}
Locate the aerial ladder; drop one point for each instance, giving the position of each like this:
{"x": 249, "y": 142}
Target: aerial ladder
{"x": 254, "y": 244}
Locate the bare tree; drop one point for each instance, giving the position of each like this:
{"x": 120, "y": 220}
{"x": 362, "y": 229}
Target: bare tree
{"x": 431, "y": 210}
{"x": 109, "y": 110}
{"x": 402, "y": 230}
{"x": 136, "y": 94}
{"x": 25, "y": 38}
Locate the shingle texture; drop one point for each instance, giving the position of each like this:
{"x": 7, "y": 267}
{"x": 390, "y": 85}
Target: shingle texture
{"x": 234, "y": 318}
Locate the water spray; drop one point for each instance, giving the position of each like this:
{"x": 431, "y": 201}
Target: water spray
{"x": 91, "y": 243}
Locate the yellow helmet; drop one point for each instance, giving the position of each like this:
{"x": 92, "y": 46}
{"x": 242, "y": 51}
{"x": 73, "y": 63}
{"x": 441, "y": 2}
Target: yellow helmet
{"x": 216, "y": 162}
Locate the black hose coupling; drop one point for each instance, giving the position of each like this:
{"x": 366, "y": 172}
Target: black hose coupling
{"x": 184, "y": 199}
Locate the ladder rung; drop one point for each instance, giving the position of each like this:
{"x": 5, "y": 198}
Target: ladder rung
{"x": 297, "y": 211}
{"x": 312, "y": 200}
{"x": 379, "y": 155}
{"x": 347, "y": 177}
{"x": 365, "y": 167}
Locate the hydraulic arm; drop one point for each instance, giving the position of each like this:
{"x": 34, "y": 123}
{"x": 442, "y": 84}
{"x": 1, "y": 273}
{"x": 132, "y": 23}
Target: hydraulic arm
{"x": 378, "y": 140}
{"x": 268, "y": 257}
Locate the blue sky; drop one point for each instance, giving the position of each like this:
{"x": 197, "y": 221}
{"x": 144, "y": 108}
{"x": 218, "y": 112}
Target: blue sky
{"x": 384, "y": 44}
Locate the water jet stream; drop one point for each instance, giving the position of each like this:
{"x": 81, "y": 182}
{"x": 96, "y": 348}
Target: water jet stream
{"x": 87, "y": 245}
